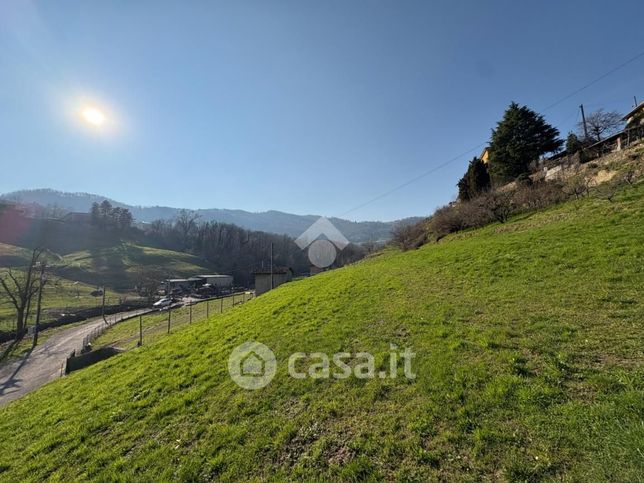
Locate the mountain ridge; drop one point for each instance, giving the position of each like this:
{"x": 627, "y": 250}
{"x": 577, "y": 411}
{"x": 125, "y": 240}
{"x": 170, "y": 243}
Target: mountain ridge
{"x": 272, "y": 221}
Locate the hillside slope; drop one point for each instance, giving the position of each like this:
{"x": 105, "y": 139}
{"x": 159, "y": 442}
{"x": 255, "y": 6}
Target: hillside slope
{"x": 529, "y": 366}
{"x": 269, "y": 221}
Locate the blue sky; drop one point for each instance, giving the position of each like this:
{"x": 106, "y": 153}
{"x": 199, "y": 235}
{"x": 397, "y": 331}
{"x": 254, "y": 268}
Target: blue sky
{"x": 300, "y": 106}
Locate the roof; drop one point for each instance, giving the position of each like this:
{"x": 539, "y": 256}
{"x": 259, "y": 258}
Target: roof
{"x": 610, "y": 138}
{"x": 214, "y": 276}
{"x": 635, "y": 110}
{"x": 276, "y": 271}
{"x": 177, "y": 280}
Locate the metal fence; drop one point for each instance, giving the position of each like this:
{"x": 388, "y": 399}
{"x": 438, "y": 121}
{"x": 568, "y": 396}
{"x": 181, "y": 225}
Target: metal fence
{"x": 138, "y": 330}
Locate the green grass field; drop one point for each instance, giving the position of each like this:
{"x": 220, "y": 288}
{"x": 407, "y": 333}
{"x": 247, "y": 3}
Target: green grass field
{"x": 59, "y": 295}
{"x": 529, "y": 365}
{"x": 125, "y": 335}
{"x": 76, "y": 275}
{"x": 124, "y": 265}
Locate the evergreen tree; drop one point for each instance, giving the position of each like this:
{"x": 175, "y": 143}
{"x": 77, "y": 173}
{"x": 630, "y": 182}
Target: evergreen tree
{"x": 520, "y": 138}
{"x": 475, "y": 181}
{"x": 95, "y": 213}
{"x": 573, "y": 143}
{"x": 106, "y": 213}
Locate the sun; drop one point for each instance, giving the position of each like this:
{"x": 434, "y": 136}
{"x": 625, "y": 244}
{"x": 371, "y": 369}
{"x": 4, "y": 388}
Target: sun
{"x": 93, "y": 116}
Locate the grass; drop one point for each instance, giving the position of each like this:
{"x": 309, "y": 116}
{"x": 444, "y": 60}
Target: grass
{"x": 529, "y": 365}
{"x": 119, "y": 267}
{"x": 123, "y": 265}
{"x": 125, "y": 335}
{"x": 12, "y": 350}
{"x": 59, "y": 295}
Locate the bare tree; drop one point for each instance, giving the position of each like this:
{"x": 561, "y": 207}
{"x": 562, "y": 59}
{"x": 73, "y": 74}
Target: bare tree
{"x": 186, "y": 223}
{"x": 20, "y": 287}
{"x": 499, "y": 204}
{"x": 601, "y": 123}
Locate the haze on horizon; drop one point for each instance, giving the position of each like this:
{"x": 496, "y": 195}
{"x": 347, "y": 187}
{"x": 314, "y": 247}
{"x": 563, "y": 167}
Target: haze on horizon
{"x": 300, "y": 107}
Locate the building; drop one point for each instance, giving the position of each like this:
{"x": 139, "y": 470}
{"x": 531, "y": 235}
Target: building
{"x": 635, "y": 118}
{"x": 217, "y": 281}
{"x": 265, "y": 280}
{"x": 182, "y": 284}
{"x": 485, "y": 155}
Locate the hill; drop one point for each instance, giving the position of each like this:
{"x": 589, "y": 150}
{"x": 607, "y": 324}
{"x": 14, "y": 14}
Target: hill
{"x": 528, "y": 359}
{"x": 81, "y": 252}
{"x": 268, "y": 221}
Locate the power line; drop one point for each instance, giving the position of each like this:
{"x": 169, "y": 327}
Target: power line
{"x": 413, "y": 180}
{"x": 455, "y": 158}
{"x": 595, "y": 81}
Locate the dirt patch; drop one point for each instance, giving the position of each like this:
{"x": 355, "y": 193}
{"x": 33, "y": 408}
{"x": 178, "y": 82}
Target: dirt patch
{"x": 603, "y": 176}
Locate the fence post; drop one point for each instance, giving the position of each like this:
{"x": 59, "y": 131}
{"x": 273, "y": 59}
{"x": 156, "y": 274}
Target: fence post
{"x": 221, "y": 303}
{"x": 169, "y": 316}
{"x": 207, "y": 308}
{"x": 190, "y": 312}
{"x": 140, "y": 330}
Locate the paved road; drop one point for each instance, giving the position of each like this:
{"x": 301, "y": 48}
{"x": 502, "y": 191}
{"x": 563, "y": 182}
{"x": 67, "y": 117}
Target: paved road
{"x": 43, "y": 363}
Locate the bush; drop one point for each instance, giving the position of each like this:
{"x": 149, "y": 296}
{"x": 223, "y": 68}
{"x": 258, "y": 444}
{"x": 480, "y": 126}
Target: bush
{"x": 456, "y": 217}
{"x": 498, "y": 204}
{"x": 409, "y": 236}
{"x": 538, "y": 196}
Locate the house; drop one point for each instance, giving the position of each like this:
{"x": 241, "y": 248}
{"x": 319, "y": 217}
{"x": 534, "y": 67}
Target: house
{"x": 265, "y": 280}
{"x": 635, "y": 118}
{"x": 485, "y": 155}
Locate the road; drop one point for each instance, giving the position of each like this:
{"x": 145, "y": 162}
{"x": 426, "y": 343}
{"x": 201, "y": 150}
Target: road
{"x": 44, "y": 363}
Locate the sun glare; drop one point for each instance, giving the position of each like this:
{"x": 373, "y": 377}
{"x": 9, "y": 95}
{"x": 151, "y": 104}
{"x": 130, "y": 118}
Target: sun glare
{"x": 93, "y": 116}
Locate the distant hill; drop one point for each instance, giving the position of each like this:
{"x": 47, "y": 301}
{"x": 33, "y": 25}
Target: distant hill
{"x": 268, "y": 221}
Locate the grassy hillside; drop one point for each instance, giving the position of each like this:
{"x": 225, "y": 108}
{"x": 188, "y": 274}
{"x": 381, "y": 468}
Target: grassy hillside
{"x": 123, "y": 265}
{"x": 82, "y": 252}
{"x": 529, "y": 366}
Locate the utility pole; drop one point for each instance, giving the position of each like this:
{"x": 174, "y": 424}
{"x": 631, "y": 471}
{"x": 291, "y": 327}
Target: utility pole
{"x": 583, "y": 118}
{"x": 40, "y": 287}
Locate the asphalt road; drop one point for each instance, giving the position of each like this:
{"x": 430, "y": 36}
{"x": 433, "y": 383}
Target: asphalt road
{"x": 44, "y": 363}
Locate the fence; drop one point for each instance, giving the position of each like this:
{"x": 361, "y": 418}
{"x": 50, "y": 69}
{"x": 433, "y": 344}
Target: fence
{"x": 138, "y": 330}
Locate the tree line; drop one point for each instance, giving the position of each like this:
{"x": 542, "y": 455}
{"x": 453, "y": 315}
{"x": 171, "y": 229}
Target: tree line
{"x": 106, "y": 216}
{"x": 521, "y": 137}
{"x": 232, "y": 249}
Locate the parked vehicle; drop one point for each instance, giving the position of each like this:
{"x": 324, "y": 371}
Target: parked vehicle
{"x": 164, "y": 302}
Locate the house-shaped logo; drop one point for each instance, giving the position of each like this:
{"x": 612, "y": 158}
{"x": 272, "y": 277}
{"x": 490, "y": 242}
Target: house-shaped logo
{"x": 252, "y": 365}
{"x": 322, "y": 239}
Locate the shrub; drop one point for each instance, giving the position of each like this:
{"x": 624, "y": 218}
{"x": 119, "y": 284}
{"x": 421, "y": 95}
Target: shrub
{"x": 444, "y": 221}
{"x": 409, "y": 236}
{"x": 498, "y": 204}
{"x": 538, "y": 195}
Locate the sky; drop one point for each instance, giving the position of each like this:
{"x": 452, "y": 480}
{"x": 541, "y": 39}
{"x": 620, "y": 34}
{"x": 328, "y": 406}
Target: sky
{"x": 368, "y": 110}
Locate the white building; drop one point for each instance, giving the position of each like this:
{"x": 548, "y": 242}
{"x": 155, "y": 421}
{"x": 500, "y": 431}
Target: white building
{"x": 218, "y": 281}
